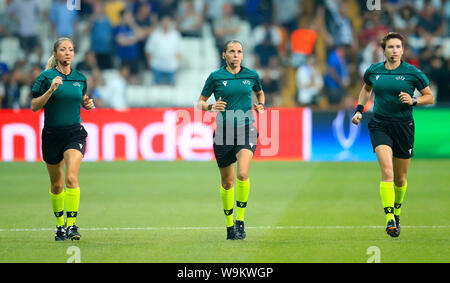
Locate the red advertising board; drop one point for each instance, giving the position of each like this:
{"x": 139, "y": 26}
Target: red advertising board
{"x": 157, "y": 134}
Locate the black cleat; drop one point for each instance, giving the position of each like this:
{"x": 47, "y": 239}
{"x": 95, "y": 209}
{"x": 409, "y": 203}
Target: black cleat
{"x": 391, "y": 229}
{"x": 240, "y": 231}
{"x": 231, "y": 235}
{"x": 72, "y": 233}
{"x": 397, "y": 223}
{"x": 60, "y": 234}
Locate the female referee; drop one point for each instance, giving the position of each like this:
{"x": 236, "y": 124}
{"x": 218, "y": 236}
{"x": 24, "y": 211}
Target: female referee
{"x": 60, "y": 90}
{"x": 392, "y": 126}
{"x": 235, "y": 137}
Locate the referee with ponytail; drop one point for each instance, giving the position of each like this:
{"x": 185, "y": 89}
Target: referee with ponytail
{"x": 61, "y": 91}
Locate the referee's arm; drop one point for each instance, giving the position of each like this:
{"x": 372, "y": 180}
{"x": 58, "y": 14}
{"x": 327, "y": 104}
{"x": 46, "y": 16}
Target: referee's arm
{"x": 203, "y": 105}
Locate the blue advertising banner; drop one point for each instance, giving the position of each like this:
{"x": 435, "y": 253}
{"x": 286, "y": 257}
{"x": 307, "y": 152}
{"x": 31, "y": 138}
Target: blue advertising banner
{"x": 335, "y": 138}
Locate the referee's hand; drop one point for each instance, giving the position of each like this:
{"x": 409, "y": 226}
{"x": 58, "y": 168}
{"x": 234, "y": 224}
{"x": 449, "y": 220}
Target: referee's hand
{"x": 88, "y": 103}
{"x": 259, "y": 108}
{"x": 55, "y": 83}
{"x": 219, "y": 106}
{"x": 357, "y": 118}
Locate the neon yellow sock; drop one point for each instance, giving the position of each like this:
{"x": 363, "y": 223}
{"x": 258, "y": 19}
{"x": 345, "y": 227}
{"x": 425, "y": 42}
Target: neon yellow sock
{"x": 72, "y": 201}
{"x": 399, "y": 195}
{"x": 242, "y": 192}
{"x": 58, "y": 207}
{"x": 387, "y": 197}
{"x": 228, "y": 204}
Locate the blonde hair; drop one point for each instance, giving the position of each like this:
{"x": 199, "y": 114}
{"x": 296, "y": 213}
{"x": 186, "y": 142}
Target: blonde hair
{"x": 51, "y": 63}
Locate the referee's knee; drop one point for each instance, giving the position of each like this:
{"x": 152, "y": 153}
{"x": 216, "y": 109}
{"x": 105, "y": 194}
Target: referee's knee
{"x": 242, "y": 176}
{"x": 227, "y": 183}
{"x": 72, "y": 180}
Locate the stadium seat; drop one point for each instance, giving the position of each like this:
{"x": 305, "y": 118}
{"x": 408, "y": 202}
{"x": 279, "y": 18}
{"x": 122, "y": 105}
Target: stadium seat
{"x": 10, "y": 50}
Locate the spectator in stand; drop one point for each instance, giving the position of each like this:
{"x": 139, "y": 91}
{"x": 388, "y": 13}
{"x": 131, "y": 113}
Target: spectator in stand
{"x": 89, "y": 65}
{"x": 405, "y": 20}
{"x": 12, "y": 89}
{"x": 167, "y": 8}
{"x": 93, "y": 92}
{"x": 63, "y": 19}
{"x": 116, "y": 90}
{"x": 189, "y": 21}
{"x": 430, "y": 22}
{"x": 266, "y": 53}
{"x": 336, "y": 78}
{"x": 113, "y": 9}
{"x": 27, "y": 13}
{"x": 126, "y": 37}
{"x": 259, "y": 12}
{"x": 373, "y": 27}
{"x": 163, "y": 50}
{"x": 101, "y": 37}
{"x": 446, "y": 7}
{"x": 309, "y": 82}
{"x": 287, "y": 13}
{"x": 272, "y": 90}
{"x": 213, "y": 10}
{"x": 144, "y": 19}
{"x": 226, "y": 28}
{"x": 266, "y": 28}
{"x": 439, "y": 75}
{"x": 371, "y": 54}
{"x": 340, "y": 26}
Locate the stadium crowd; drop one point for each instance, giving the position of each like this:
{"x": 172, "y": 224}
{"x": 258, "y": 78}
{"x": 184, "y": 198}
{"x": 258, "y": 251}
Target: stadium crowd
{"x": 306, "y": 52}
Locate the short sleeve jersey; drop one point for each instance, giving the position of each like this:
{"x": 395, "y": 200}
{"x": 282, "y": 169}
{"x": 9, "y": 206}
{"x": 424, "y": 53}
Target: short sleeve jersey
{"x": 387, "y": 85}
{"x": 236, "y": 90}
{"x": 63, "y": 107}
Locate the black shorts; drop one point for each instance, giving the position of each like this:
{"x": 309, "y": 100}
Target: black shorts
{"x": 55, "y": 141}
{"x": 397, "y": 134}
{"x": 227, "y": 144}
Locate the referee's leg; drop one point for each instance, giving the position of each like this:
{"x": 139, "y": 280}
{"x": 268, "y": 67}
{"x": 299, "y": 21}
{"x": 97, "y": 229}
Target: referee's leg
{"x": 72, "y": 158}
{"x": 244, "y": 158}
{"x": 401, "y": 166}
{"x": 384, "y": 156}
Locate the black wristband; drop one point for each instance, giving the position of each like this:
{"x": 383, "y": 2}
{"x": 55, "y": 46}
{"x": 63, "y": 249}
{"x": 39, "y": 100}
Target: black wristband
{"x": 260, "y": 103}
{"x": 414, "y": 101}
{"x": 359, "y": 108}
{"x": 210, "y": 107}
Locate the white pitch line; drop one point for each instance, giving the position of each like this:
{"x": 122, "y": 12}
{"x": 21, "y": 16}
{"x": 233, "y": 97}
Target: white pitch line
{"x": 219, "y": 228}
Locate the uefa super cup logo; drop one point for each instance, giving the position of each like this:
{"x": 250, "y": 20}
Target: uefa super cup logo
{"x": 74, "y": 5}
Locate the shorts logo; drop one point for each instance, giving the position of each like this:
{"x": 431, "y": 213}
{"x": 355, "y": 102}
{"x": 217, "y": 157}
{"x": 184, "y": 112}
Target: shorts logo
{"x": 81, "y": 146}
{"x": 224, "y": 83}
{"x": 400, "y": 78}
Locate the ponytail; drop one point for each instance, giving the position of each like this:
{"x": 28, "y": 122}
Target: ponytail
{"x": 51, "y": 63}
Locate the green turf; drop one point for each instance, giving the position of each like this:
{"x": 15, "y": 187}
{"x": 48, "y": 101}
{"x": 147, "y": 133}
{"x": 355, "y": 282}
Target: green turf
{"x": 172, "y": 212}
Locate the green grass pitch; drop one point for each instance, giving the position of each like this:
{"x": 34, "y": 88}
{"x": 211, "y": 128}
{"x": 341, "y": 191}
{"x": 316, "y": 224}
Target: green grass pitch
{"x": 172, "y": 212}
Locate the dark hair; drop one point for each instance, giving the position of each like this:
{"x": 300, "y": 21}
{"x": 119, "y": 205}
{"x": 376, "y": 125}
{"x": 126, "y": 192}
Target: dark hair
{"x": 389, "y": 36}
{"x": 225, "y": 46}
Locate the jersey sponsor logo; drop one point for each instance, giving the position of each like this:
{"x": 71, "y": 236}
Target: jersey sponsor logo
{"x": 400, "y": 78}
{"x": 224, "y": 83}
{"x": 246, "y": 82}
{"x": 76, "y": 84}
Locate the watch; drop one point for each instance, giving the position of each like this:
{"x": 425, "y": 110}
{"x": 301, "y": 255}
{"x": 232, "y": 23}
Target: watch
{"x": 414, "y": 101}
